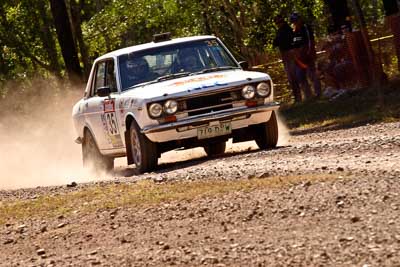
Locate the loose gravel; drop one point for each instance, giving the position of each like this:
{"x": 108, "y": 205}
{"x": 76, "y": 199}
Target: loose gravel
{"x": 349, "y": 221}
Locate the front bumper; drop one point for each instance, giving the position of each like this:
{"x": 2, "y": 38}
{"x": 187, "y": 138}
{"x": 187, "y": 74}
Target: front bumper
{"x": 215, "y": 116}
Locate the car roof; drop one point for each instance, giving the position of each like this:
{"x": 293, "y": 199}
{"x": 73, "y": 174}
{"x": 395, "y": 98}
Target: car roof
{"x": 135, "y": 48}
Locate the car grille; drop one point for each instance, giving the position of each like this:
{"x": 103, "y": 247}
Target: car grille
{"x": 209, "y": 103}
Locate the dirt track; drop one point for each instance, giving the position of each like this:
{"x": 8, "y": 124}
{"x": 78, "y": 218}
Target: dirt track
{"x": 352, "y": 220}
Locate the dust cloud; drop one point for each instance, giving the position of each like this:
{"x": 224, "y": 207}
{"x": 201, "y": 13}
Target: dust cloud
{"x": 37, "y": 145}
{"x": 284, "y": 133}
{"x": 37, "y": 138}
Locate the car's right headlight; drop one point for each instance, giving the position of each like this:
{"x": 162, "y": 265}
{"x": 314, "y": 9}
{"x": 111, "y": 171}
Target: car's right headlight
{"x": 248, "y": 92}
{"x": 155, "y": 110}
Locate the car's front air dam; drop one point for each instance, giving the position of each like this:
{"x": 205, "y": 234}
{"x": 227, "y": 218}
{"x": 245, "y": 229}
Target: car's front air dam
{"x": 215, "y": 116}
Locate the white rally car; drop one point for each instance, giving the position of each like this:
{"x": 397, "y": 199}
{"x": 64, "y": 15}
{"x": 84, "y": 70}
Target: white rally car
{"x": 188, "y": 92}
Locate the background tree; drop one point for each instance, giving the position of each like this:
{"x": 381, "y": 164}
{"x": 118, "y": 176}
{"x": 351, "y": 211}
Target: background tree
{"x": 23, "y": 48}
{"x": 76, "y": 21}
{"x": 66, "y": 40}
{"x": 39, "y": 38}
{"x": 42, "y": 21}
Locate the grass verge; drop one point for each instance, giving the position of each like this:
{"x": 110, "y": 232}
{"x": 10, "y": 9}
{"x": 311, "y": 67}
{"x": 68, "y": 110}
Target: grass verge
{"x": 141, "y": 194}
{"x": 353, "y": 108}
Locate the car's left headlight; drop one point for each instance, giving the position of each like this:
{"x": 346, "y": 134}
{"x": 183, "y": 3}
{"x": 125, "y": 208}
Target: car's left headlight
{"x": 171, "y": 107}
{"x": 263, "y": 89}
{"x": 248, "y": 92}
{"x": 155, "y": 110}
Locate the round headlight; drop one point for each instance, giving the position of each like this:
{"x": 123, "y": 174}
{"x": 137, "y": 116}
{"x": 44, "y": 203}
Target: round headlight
{"x": 248, "y": 92}
{"x": 170, "y": 107}
{"x": 263, "y": 89}
{"x": 155, "y": 110}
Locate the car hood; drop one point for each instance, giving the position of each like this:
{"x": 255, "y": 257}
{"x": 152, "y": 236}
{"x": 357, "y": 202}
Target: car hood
{"x": 201, "y": 82}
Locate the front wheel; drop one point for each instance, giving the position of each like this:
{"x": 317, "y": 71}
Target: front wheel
{"x": 92, "y": 158}
{"x": 144, "y": 152}
{"x": 215, "y": 149}
{"x": 268, "y": 133}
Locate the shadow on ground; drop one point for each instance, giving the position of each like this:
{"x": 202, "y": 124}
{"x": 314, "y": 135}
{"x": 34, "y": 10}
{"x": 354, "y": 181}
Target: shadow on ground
{"x": 179, "y": 164}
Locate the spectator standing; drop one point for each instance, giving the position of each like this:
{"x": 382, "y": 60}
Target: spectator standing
{"x": 305, "y": 55}
{"x": 283, "y": 40}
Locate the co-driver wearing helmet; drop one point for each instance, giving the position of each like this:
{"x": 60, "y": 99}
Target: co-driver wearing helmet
{"x": 137, "y": 70}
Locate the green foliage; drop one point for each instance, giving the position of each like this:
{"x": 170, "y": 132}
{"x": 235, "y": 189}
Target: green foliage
{"x": 22, "y": 44}
{"x": 127, "y": 22}
{"x": 28, "y": 46}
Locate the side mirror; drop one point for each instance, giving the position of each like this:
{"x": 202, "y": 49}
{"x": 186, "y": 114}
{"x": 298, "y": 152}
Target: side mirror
{"x": 103, "y": 91}
{"x": 244, "y": 65}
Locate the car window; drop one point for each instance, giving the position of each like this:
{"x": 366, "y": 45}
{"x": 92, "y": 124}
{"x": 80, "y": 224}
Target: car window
{"x": 110, "y": 76}
{"x": 220, "y": 56}
{"x": 104, "y": 76}
{"x": 188, "y": 57}
{"x": 100, "y": 76}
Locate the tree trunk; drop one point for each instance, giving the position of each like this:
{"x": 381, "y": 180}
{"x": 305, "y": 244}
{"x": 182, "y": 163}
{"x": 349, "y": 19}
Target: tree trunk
{"x": 207, "y": 27}
{"x": 237, "y": 27}
{"x": 3, "y": 65}
{"x": 76, "y": 25}
{"x": 66, "y": 40}
{"x": 375, "y": 16}
{"x": 47, "y": 38}
{"x": 375, "y": 68}
{"x": 99, "y": 5}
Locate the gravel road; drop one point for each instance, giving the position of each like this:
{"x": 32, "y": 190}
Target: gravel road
{"x": 349, "y": 221}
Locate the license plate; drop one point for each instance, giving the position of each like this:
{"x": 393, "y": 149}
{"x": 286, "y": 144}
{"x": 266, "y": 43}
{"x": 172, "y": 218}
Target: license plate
{"x": 215, "y": 130}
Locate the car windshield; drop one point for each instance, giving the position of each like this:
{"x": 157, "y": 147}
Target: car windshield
{"x": 173, "y": 61}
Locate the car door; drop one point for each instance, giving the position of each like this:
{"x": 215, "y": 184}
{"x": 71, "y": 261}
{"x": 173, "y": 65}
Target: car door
{"x": 101, "y": 111}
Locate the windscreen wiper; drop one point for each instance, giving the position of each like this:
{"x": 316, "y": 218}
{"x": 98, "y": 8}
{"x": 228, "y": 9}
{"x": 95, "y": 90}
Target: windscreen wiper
{"x": 216, "y": 69}
{"x": 172, "y": 76}
{"x": 162, "y": 78}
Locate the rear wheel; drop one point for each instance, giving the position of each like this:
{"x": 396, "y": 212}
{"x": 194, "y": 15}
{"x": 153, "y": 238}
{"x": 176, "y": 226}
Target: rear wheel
{"x": 91, "y": 156}
{"x": 144, "y": 152}
{"x": 215, "y": 149}
{"x": 268, "y": 133}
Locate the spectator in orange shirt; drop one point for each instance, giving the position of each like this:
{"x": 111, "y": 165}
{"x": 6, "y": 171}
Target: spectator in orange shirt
{"x": 305, "y": 56}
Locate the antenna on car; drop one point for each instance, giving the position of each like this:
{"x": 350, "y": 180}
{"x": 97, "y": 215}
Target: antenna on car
{"x": 161, "y": 37}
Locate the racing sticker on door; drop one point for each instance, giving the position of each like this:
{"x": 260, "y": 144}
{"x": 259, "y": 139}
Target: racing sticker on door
{"x": 110, "y": 124}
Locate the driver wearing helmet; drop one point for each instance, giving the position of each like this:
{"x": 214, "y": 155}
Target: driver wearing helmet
{"x": 189, "y": 62}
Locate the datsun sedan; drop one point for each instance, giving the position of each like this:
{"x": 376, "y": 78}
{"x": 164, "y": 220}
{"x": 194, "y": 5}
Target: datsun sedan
{"x": 187, "y": 92}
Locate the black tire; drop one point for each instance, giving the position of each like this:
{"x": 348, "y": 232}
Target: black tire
{"x": 215, "y": 149}
{"x": 91, "y": 156}
{"x": 144, "y": 152}
{"x": 268, "y": 133}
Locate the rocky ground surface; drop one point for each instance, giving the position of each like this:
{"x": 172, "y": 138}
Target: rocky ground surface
{"x": 349, "y": 221}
